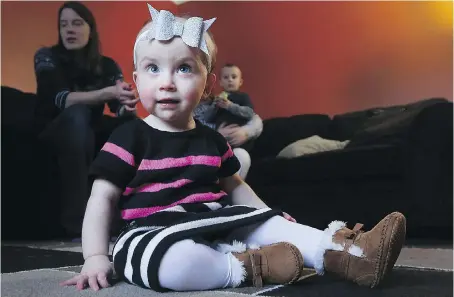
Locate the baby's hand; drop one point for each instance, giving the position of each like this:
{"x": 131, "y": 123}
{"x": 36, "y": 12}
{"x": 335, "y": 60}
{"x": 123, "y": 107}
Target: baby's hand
{"x": 94, "y": 273}
{"x": 222, "y": 102}
{"x": 288, "y": 217}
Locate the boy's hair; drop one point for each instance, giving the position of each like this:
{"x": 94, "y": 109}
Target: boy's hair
{"x": 229, "y": 65}
{"x": 211, "y": 45}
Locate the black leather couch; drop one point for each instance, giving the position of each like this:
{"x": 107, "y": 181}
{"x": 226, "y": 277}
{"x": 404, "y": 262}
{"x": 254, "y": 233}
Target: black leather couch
{"x": 399, "y": 158}
{"x": 29, "y": 179}
{"x": 405, "y": 166}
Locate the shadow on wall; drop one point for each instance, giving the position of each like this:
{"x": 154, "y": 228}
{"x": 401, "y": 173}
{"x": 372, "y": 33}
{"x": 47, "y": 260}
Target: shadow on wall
{"x": 370, "y": 81}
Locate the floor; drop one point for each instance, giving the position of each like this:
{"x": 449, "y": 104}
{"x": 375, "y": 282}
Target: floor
{"x": 419, "y": 256}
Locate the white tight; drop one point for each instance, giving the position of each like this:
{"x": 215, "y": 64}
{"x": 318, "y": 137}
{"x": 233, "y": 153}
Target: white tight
{"x": 245, "y": 161}
{"x": 190, "y": 266}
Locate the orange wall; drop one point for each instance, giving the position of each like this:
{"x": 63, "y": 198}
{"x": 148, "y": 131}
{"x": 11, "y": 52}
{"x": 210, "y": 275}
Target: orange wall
{"x": 333, "y": 57}
{"x": 28, "y": 25}
{"x": 297, "y": 57}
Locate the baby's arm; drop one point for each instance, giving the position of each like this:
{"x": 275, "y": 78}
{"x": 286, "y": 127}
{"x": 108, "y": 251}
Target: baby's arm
{"x": 98, "y": 217}
{"x": 243, "y": 107}
{"x": 113, "y": 168}
{"x": 240, "y": 105}
{"x": 231, "y": 182}
{"x": 240, "y": 192}
{"x": 242, "y": 111}
{"x": 95, "y": 237}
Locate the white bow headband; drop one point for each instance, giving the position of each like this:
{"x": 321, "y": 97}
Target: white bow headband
{"x": 165, "y": 26}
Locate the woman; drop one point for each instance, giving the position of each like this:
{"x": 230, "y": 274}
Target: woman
{"x": 74, "y": 83}
{"x": 241, "y": 139}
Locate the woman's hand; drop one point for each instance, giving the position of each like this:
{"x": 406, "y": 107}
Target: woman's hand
{"x": 234, "y": 134}
{"x": 95, "y": 271}
{"x": 124, "y": 93}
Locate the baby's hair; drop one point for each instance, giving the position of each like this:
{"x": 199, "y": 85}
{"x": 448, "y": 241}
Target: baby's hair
{"x": 229, "y": 65}
{"x": 212, "y": 48}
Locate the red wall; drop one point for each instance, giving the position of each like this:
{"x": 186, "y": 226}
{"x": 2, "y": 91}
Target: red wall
{"x": 297, "y": 57}
{"x": 333, "y": 57}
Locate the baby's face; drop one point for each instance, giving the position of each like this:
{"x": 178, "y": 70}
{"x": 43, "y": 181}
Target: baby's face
{"x": 231, "y": 79}
{"x": 170, "y": 78}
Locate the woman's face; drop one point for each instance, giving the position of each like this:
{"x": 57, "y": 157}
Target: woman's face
{"x": 74, "y": 31}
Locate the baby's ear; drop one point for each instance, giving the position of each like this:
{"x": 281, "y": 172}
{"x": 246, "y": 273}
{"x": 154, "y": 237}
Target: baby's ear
{"x": 134, "y": 77}
{"x": 211, "y": 80}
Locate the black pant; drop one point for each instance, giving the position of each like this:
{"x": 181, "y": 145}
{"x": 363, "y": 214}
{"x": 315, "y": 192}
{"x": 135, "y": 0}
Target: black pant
{"x": 75, "y": 136}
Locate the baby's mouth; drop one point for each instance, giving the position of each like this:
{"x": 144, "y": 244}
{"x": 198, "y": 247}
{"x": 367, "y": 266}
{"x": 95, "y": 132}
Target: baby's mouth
{"x": 168, "y": 101}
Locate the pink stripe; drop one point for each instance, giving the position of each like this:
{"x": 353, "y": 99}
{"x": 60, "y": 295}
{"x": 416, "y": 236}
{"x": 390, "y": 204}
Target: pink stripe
{"x": 129, "y": 214}
{"x": 179, "y": 162}
{"x": 156, "y": 187}
{"x": 227, "y": 154}
{"x": 119, "y": 152}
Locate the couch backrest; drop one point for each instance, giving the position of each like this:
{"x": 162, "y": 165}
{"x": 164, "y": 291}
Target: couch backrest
{"x": 280, "y": 132}
{"x": 346, "y": 126}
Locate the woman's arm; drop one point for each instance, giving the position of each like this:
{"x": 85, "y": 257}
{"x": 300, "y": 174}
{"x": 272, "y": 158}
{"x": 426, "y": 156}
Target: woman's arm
{"x": 52, "y": 86}
{"x": 240, "y": 192}
{"x": 254, "y": 127}
{"x": 91, "y": 97}
{"x": 98, "y": 217}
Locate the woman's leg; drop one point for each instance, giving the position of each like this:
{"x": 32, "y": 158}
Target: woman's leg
{"x": 105, "y": 125}
{"x": 245, "y": 161}
{"x": 190, "y": 266}
{"x": 71, "y": 136}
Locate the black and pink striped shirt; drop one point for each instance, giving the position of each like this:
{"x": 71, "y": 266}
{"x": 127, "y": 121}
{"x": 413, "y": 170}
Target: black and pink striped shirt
{"x": 157, "y": 170}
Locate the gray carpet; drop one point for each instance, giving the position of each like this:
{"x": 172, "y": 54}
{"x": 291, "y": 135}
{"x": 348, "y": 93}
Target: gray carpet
{"x": 44, "y": 282}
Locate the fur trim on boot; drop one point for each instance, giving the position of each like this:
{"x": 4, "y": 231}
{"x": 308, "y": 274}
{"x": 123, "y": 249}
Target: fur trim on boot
{"x": 362, "y": 257}
{"x": 327, "y": 243}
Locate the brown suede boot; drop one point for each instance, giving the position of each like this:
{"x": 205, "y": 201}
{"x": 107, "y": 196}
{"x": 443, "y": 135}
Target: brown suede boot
{"x": 364, "y": 257}
{"x": 279, "y": 263}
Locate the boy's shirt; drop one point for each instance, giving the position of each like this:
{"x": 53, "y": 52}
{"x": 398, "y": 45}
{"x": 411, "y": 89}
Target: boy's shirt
{"x": 240, "y": 112}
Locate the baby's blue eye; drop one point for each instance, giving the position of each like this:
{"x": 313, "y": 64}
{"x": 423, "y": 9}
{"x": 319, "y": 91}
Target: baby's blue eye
{"x": 152, "y": 68}
{"x": 185, "y": 68}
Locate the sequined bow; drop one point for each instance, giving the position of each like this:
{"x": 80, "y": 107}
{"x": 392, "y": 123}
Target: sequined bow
{"x": 165, "y": 26}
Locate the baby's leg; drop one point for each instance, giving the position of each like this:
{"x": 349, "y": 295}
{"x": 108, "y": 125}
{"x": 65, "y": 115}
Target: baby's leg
{"x": 245, "y": 161}
{"x": 362, "y": 257}
{"x": 278, "y": 229}
{"x": 190, "y": 266}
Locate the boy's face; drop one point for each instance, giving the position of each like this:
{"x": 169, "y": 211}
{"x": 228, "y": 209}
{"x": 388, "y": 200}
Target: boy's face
{"x": 170, "y": 78}
{"x": 231, "y": 79}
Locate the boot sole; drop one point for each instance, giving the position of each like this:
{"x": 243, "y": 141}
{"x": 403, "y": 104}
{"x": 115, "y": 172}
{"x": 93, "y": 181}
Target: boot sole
{"x": 391, "y": 246}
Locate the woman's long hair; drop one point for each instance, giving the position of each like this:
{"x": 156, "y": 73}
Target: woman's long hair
{"x": 90, "y": 60}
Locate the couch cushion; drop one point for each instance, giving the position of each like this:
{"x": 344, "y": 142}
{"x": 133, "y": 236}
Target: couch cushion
{"x": 280, "y": 132}
{"x": 349, "y": 163}
{"x": 311, "y": 145}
